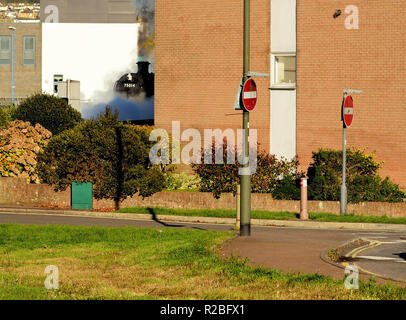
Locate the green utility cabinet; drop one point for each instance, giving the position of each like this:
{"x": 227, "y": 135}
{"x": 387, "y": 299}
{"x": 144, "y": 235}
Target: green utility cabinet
{"x": 82, "y": 196}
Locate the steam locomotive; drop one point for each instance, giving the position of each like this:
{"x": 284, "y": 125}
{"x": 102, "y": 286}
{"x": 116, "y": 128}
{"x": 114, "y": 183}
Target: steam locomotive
{"x": 136, "y": 86}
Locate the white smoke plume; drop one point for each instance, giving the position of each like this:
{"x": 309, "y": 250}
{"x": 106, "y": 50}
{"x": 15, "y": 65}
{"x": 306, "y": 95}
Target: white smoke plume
{"x": 146, "y": 35}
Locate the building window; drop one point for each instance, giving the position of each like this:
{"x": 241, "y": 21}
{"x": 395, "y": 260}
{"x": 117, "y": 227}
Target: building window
{"x": 284, "y": 71}
{"x": 57, "y": 78}
{"x": 5, "y": 50}
{"x": 29, "y": 51}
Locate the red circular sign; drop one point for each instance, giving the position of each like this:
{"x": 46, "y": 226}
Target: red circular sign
{"x": 348, "y": 111}
{"x": 249, "y": 95}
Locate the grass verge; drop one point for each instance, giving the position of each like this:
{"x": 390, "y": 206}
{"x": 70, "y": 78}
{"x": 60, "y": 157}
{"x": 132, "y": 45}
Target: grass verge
{"x": 131, "y": 263}
{"x": 322, "y": 217}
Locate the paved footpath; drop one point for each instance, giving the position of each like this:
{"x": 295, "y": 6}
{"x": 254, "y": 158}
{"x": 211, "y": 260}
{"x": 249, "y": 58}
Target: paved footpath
{"x": 288, "y": 249}
{"x": 299, "y": 250}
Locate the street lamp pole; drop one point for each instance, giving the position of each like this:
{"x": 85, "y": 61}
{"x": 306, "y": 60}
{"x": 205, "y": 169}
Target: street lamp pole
{"x": 245, "y": 229}
{"x": 12, "y": 63}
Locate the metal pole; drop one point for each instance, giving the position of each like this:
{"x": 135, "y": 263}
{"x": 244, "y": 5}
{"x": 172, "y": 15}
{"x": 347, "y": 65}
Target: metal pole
{"x": 238, "y": 208}
{"x": 245, "y": 229}
{"x": 343, "y": 200}
{"x": 343, "y": 197}
{"x": 12, "y": 64}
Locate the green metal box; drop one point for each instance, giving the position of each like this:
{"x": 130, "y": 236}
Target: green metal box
{"x": 82, "y": 196}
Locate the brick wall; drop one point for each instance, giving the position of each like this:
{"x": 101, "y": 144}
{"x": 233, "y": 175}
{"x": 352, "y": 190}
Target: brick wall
{"x": 16, "y": 192}
{"x": 199, "y": 62}
{"x": 372, "y": 59}
{"x": 199, "y": 51}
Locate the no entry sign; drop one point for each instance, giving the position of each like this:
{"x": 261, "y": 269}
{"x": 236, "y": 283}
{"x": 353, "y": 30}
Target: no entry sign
{"x": 348, "y": 111}
{"x": 249, "y": 95}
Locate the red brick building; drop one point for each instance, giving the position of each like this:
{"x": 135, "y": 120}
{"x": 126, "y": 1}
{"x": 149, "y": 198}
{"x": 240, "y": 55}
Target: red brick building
{"x": 311, "y": 58}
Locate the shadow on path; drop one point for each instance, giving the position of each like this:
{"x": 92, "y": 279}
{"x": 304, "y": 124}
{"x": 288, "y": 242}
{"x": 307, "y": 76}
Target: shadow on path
{"x": 155, "y": 218}
{"x": 401, "y": 255}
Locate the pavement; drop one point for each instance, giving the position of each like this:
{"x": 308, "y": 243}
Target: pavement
{"x": 289, "y": 249}
{"x": 300, "y": 250}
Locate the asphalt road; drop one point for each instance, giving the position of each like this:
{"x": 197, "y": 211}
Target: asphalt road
{"x": 46, "y": 219}
{"x": 296, "y": 250}
{"x": 385, "y": 256}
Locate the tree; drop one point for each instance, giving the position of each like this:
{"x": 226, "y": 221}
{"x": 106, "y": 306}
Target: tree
{"x": 19, "y": 145}
{"x": 51, "y": 112}
{"x": 111, "y": 155}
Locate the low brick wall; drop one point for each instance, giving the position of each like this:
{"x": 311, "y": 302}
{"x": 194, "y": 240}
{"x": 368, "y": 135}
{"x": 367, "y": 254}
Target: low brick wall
{"x": 17, "y": 192}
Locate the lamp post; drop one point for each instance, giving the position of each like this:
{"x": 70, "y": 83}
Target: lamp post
{"x": 12, "y": 63}
{"x": 245, "y": 228}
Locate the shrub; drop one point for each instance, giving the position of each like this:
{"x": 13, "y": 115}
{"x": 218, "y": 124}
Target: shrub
{"x": 111, "y": 155}
{"x": 182, "y": 181}
{"x": 217, "y": 178}
{"x": 6, "y": 115}
{"x": 51, "y": 112}
{"x": 222, "y": 178}
{"x": 165, "y": 168}
{"x": 271, "y": 171}
{"x": 20, "y": 144}
{"x": 288, "y": 188}
{"x": 363, "y": 181}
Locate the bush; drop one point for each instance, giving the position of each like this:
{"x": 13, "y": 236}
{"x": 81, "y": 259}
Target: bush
{"x": 363, "y": 181}
{"x": 165, "y": 168}
{"x": 222, "y": 178}
{"x": 51, "y": 112}
{"x": 6, "y": 115}
{"x": 373, "y": 188}
{"x": 288, "y": 188}
{"x": 20, "y": 144}
{"x": 182, "y": 181}
{"x": 111, "y": 155}
{"x": 217, "y": 178}
{"x": 271, "y": 171}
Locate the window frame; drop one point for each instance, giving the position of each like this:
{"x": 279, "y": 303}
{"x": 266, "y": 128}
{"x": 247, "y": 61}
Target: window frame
{"x": 9, "y": 50}
{"x": 274, "y": 84}
{"x": 34, "y": 49}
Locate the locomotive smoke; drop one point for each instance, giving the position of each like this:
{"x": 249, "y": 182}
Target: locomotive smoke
{"x": 130, "y": 109}
{"x": 146, "y": 34}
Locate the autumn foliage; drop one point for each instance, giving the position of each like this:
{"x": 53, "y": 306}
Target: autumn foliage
{"x": 224, "y": 178}
{"x": 20, "y": 144}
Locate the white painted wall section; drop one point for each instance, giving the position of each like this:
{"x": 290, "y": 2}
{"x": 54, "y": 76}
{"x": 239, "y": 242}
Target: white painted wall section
{"x": 283, "y": 101}
{"x": 283, "y": 25}
{"x": 283, "y": 123}
{"x": 95, "y": 54}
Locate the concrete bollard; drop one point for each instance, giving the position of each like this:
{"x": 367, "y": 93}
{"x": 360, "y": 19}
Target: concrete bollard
{"x": 304, "y": 215}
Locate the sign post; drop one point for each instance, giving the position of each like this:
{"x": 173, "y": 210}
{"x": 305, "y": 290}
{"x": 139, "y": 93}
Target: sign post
{"x": 347, "y": 116}
{"x": 245, "y": 224}
{"x": 249, "y": 95}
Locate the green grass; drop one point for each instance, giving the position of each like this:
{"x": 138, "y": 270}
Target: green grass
{"x": 131, "y": 263}
{"x": 324, "y": 217}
